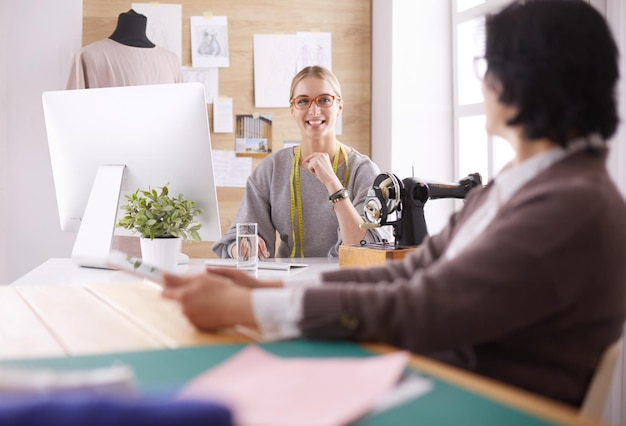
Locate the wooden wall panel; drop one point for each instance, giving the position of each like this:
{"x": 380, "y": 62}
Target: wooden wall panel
{"x": 349, "y": 21}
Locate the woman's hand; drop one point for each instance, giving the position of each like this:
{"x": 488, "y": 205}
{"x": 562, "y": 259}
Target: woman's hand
{"x": 319, "y": 164}
{"x": 211, "y": 301}
{"x": 263, "y": 252}
{"x": 245, "y": 249}
{"x": 243, "y": 278}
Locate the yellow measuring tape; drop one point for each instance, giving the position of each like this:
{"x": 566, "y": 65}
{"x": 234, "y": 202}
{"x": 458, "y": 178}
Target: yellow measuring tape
{"x": 296, "y": 194}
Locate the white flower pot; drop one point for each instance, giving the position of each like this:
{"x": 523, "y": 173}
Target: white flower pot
{"x": 161, "y": 252}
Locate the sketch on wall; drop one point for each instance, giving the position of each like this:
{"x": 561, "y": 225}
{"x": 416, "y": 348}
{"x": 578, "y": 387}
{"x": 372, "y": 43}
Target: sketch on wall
{"x": 274, "y": 67}
{"x": 209, "y": 78}
{"x": 278, "y": 57}
{"x": 314, "y": 49}
{"x": 209, "y": 41}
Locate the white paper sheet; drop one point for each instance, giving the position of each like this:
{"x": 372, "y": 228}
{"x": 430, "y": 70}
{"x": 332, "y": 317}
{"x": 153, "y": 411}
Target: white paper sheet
{"x": 274, "y": 67}
{"x": 223, "y": 115}
{"x": 314, "y": 49}
{"x": 209, "y": 77}
{"x": 230, "y": 170}
{"x": 118, "y": 380}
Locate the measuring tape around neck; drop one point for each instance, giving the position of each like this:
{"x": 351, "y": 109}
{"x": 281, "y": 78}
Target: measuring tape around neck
{"x": 296, "y": 194}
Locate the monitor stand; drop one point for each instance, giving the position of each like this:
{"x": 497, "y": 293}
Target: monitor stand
{"x": 95, "y": 235}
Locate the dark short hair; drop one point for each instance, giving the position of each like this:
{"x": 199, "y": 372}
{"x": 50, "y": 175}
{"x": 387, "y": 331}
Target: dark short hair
{"x": 557, "y": 62}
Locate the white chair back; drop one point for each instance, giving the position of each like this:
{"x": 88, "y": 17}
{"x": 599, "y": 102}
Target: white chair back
{"x": 596, "y": 397}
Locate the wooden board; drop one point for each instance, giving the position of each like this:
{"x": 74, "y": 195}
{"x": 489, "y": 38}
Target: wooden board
{"x": 82, "y": 323}
{"x": 22, "y": 333}
{"x": 142, "y": 303}
{"x": 357, "y": 256}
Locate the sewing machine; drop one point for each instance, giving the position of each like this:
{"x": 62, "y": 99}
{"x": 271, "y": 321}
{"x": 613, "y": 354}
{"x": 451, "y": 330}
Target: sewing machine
{"x": 400, "y": 204}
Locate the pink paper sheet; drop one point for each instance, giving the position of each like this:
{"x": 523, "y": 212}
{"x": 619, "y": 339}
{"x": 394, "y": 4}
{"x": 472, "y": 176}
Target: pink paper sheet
{"x": 266, "y": 390}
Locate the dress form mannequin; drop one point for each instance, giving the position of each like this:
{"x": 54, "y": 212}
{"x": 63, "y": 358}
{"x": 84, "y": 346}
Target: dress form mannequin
{"x": 131, "y": 30}
{"x": 125, "y": 58}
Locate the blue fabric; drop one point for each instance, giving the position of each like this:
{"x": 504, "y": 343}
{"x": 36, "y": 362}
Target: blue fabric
{"x": 76, "y": 410}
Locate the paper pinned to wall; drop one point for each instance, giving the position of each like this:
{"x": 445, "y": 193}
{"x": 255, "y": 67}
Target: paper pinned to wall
{"x": 209, "y": 41}
{"x": 209, "y": 77}
{"x": 164, "y": 27}
{"x": 274, "y": 67}
{"x": 254, "y": 133}
{"x": 223, "y": 115}
{"x": 278, "y": 57}
{"x": 314, "y": 48}
{"x": 230, "y": 170}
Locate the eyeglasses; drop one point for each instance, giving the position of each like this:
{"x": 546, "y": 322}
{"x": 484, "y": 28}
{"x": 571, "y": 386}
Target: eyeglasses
{"x": 322, "y": 101}
{"x": 480, "y": 67}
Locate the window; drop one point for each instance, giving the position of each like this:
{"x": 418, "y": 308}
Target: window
{"x": 475, "y": 150}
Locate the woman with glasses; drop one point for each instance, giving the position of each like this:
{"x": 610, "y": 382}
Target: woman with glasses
{"x": 312, "y": 195}
{"x": 527, "y": 283}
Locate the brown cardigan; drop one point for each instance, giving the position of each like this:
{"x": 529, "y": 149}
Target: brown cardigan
{"x": 533, "y": 301}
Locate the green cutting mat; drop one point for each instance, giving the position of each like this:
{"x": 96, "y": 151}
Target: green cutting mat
{"x": 166, "y": 371}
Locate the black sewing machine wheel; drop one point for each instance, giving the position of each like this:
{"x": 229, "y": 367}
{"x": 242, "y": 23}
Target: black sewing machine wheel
{"x": 383, "y": 199}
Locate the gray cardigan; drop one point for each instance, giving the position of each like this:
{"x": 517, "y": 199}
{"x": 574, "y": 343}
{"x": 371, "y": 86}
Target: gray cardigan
{"x": 267, "y": 201}
{"x": 533, "y": 301}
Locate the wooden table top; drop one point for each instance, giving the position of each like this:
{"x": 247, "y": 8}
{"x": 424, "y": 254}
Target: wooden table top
{"x": 39, "y": 321}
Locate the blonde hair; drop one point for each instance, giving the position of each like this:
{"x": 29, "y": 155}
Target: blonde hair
{"x": 317, "y": 72}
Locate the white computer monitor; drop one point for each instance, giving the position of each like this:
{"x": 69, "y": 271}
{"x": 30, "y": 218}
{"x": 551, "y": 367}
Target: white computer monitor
{"x": 108, "y": 142}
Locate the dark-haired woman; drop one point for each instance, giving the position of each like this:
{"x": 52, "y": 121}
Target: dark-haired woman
{"x": 527, "y": 283}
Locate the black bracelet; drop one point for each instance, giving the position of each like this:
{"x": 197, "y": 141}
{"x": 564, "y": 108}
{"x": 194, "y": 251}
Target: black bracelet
{"x": 338, "y": 196}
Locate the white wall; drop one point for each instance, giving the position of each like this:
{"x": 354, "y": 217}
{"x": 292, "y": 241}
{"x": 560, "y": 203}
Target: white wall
{"x": 412, "y": 95}
{"x": 41, "y": 38}
{"x": 616, "y": 15}
{"x": 4, "y": 164}
{"x": 382, "y": 65}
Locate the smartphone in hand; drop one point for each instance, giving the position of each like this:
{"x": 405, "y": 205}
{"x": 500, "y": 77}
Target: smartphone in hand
{"x": 134, "y": 265}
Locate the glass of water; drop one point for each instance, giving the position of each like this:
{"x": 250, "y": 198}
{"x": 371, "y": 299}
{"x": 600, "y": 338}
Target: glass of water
{"x": 247, "y": 246}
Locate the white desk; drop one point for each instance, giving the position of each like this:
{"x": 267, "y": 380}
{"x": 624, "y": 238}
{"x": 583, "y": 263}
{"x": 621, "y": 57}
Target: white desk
{"x": 64, "y": 271}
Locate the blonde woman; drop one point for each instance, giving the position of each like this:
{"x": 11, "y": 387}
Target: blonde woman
{"x": 311, "y": 195}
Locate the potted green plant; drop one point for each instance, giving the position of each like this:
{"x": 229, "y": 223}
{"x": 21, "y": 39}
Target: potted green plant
{"x": 162, "y": 222}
